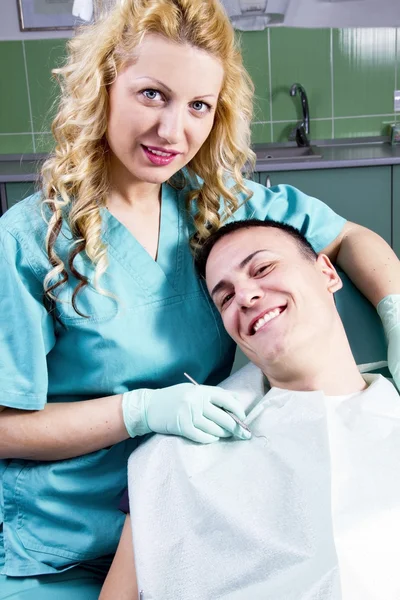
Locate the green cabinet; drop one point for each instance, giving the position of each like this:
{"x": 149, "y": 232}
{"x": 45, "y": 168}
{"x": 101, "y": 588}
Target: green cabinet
{"x": 11, "y": 193}
{"x": 360, "y": 194}
{"x": 396, "y": 209}
{"x": 369, "y": 196}
{"x": 18, "y": 191}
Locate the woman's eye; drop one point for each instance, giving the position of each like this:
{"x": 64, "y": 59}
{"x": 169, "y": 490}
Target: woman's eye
{"x": 151, "y": 94}
{"x": 200, "y": 106}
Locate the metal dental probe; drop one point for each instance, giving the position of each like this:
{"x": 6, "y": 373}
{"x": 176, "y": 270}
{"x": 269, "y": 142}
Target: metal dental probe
{"x": 234, "y": 417}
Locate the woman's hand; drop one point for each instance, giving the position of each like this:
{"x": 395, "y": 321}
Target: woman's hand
{"x": 389, "y": 311}
{"x": 192, "y": 411}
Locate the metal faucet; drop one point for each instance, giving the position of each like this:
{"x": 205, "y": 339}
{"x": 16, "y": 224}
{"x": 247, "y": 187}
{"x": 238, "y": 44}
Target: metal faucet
{"x": 302, "y": 129}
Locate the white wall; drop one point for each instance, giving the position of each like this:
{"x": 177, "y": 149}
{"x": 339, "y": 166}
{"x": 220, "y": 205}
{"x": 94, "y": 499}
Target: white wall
{"x": 9, "y": 25}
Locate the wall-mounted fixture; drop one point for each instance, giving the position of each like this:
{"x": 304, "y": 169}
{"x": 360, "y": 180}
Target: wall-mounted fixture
{"x": 259, "y": 14}
{"x": 302, "y": 130}
{"x": 248, "y": 15}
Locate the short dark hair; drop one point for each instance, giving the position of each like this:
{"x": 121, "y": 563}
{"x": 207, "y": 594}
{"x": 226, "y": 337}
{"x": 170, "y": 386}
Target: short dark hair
{"x": 204, "y": 251}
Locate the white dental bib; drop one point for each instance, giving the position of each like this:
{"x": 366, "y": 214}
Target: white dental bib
{"x": 311, "y": 514}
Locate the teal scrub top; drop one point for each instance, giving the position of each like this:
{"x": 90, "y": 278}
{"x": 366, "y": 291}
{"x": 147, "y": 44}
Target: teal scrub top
{"x": 56, "y": 515}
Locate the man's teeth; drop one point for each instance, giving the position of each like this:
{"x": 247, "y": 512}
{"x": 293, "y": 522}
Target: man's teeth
{"x": 158, "y": 152}
{"x": 267, "y": 317}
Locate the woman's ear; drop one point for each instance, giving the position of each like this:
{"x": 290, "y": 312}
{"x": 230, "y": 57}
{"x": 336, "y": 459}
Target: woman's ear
{"x": 333, "y": 281}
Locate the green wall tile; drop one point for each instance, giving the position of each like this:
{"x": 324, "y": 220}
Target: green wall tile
{"x": 254, "y": 46}
{"x": 16, "y": 144}
{"x": 14, "y": 105}
{"x": 44, "y": 142}
{"x": 320, "y": 130}
{"x": 41, "y": 57}
{"x": 364, "y": 71}
{"x": 261, "y": 133}
{"x": 302, "y": 56}
{"x": 362, "y": 126}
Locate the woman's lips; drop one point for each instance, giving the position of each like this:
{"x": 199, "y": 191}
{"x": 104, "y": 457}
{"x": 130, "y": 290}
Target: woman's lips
{"x": 158, "y": 159}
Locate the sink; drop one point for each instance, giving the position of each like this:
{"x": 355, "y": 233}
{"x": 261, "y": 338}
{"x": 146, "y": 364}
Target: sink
{"x": 289, "y": 153}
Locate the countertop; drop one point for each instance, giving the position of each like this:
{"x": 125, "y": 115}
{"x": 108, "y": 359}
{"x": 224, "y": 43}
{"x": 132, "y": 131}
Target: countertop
{"x": 19, "y": 167}
{"x": 361, "y": 152}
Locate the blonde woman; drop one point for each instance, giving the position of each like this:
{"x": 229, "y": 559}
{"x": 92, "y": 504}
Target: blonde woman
{"x": 102, "y": 308}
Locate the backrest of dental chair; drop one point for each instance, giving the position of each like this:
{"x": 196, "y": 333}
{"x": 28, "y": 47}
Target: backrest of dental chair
{"x": 362, "y": 324}
{"x": 363, "y": 327}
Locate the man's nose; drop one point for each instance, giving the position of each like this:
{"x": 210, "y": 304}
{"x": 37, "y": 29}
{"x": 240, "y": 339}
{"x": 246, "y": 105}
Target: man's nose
{"x": 247, "y": 296}
{"x": 171, "y": 126}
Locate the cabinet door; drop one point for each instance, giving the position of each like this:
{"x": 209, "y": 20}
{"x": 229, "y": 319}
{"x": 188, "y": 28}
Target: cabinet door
{"x": 360, "y": 194}
{"x": 18, "y": 191}
{"x": 396, "y": 209}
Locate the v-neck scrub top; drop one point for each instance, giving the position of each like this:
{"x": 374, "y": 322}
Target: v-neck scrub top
{"x": 157, "y": 323}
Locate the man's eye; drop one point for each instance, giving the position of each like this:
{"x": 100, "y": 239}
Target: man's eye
{"x": 261, "y": 270}
{"x": 200, "y": 106}
{"x": 151, "y": 94}
{"x": 226, "y": 299}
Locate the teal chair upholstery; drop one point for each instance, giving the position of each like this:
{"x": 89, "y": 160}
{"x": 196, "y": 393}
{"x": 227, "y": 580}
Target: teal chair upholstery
{"x": 363, "y": 326}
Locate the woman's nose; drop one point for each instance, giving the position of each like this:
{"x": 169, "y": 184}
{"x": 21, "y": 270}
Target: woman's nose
{"x": 171, "y": 125}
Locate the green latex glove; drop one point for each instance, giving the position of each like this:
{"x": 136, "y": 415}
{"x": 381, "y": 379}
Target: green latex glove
{"x": 389, "y": 311}
{"x": 192, "y": 411}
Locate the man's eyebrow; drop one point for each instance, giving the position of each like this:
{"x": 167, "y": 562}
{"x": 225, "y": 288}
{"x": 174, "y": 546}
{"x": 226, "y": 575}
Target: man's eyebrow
{"x": 222, "y": 284}
{"x": 160, "y": 83}
{"x": 248, "y": 258}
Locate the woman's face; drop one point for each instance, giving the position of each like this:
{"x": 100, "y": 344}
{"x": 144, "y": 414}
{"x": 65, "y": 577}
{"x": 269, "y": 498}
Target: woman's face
{"x": 162, "y": 110}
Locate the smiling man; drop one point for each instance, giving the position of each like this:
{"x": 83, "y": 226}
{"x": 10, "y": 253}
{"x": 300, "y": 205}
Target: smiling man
{"x": 309, "y": 507}
{"x": 276, "y": 299}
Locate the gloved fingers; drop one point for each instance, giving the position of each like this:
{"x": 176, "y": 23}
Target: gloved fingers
{"x": 225, "y": 421}
{"x": 227, "y": 400}
{"x": 201, "y": 437}
{"x": 389, "y": 311}
{"x": 208, "y": 425}
{"x": 202, "y": 434}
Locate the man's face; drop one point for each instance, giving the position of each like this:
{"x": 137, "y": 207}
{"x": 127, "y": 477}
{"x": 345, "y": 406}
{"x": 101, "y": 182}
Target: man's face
{"x": 273, "y": 300}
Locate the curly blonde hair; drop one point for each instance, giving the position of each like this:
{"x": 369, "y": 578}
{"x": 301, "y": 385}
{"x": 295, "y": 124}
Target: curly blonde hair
{"x": 76, "y": 176}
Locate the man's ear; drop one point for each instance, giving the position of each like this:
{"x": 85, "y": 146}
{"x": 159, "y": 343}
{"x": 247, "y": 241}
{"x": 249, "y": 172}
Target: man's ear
{"x": 333, "y": 281}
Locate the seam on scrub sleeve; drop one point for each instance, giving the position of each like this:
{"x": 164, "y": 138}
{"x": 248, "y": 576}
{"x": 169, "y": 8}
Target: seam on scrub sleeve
{"x": 311, "y": 209}
{"x": 37, "y": 271}
{"x": 37, "y": 403}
